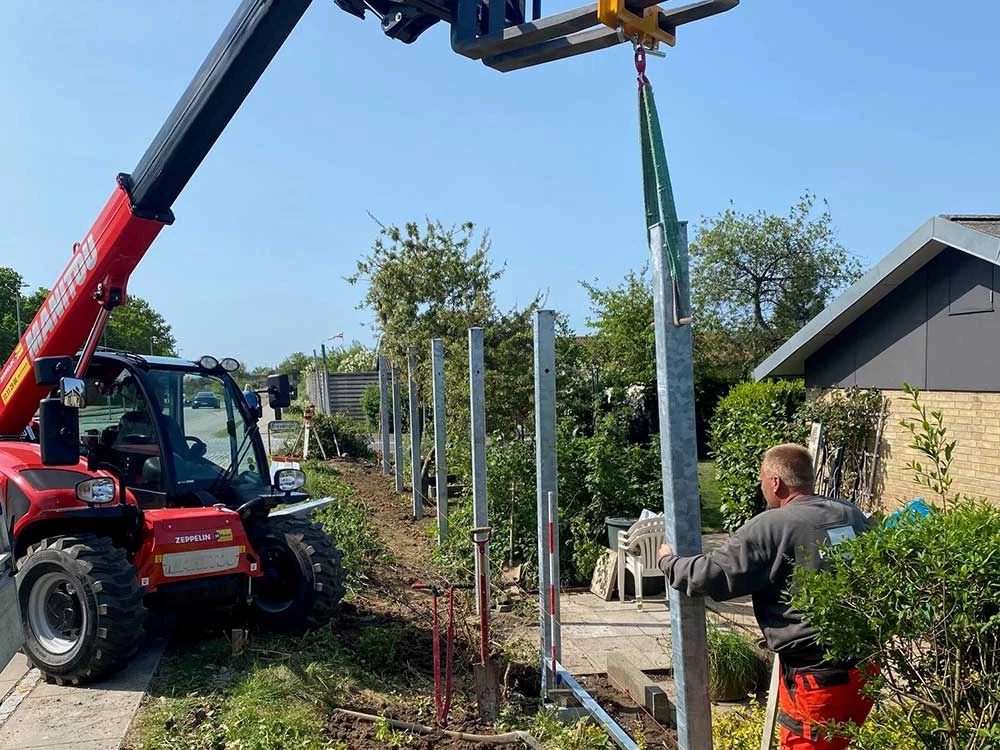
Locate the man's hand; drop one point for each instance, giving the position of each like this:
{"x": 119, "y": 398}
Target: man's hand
{"x": 663, "y": 551}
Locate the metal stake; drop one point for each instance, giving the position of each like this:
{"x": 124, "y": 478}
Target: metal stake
{"x": 440, "y": 466}
{"x": 477, "y": 397}
{"x": 397, "y": 429}
{"x": 546, "y": 472}
{"x": 554, "y": 579}
{"x": 415, "y": 472}
{"x": 681, "y": 508}
{"x": 383, "y": 410}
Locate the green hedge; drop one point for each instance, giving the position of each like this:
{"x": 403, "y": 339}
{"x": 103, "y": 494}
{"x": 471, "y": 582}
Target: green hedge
{"x": 751, "y": 418}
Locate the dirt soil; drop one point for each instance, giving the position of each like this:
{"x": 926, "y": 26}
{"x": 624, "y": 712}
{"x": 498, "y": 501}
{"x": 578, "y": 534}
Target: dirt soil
{"x": 392, "y": 597}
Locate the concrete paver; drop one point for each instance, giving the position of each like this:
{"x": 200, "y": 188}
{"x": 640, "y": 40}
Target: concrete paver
{"x": 82, "y": 718}
{"x": 12, "y": 674}
{"x": 592, "y": 627}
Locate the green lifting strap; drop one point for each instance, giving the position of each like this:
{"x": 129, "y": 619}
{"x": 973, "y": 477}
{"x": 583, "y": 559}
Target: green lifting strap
{"x": 660, "y": 209}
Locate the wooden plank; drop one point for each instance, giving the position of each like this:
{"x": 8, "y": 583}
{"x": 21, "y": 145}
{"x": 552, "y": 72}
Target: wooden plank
{"x": 629, "y": 679}
{"x": 602, "y": 582}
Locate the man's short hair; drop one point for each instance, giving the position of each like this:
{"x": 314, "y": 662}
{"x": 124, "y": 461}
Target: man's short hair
{"x": 792, "y": 464}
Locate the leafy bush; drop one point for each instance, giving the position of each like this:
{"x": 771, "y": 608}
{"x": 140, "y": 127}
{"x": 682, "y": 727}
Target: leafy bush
{"x": 887, "y": 728}
{"x": 736, "y": 667}
{"x": 347, "y": 521}
{"x": 370, "y": 405}
{"x": 599, "y": 476}
{"x": 921, "y": 597}
{"x": 336, "y": 430}
{"x": 751, "y": 418}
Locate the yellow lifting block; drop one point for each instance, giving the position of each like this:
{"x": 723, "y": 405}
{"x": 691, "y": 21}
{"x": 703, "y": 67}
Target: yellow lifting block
{"x": 615, "y": 14}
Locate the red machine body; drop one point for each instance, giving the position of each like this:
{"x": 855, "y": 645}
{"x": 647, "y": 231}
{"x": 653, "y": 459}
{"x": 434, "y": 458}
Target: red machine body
{"x": 175, "y": 544}
{"x": 183, "y": 544}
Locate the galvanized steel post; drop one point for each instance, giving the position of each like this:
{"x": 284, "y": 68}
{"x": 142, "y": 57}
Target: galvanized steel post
{"x": 319, "y": 386}
{"x": 326, "y": 382}
{"x": 477, "y": 402}
{"x": 397, "y": 430}
{"x": 440, "y": 466}
{"x": 383, "y": 410}
{"x": 546, "y": 470}
{"x": 415, "y": 468}
{"x": 681, "y": 507}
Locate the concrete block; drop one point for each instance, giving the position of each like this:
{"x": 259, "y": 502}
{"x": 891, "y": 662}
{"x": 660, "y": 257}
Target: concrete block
{"x": 628, "y": 678}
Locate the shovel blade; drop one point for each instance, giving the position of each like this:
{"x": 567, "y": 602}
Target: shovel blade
{"x": 487, "y": 677}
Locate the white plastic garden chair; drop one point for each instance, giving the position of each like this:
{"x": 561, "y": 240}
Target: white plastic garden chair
{"x": 637, "y": 549}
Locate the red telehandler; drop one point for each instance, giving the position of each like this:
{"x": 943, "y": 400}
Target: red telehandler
{"x": 130, "y": 499}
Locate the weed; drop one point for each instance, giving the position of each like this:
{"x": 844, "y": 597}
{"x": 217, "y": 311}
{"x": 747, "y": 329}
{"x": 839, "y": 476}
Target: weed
{"x": 347, "y": 521}
{"x": 390, "y": 737}
{"x": 582, "y": 735}
{"x": 378, "y": 648}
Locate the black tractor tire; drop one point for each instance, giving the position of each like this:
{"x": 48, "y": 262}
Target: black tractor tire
{"x": 81, "y": 608}
{"x": 303, "y": 579}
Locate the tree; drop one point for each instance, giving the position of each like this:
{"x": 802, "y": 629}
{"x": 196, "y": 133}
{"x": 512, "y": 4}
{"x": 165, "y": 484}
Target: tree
{"x": 623, "y": 351}
{"x": 134, "y": 327}
{"x": 437, "y": 282}
{"x": 137, "y": 327}
{"x": 11, "y": 285}
{"x": 622, "y": 317}
{"x": 757, "y": 278}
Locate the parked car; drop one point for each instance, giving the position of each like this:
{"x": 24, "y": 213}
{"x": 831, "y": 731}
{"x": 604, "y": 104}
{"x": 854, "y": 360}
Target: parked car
{"x": 207, "y": 400}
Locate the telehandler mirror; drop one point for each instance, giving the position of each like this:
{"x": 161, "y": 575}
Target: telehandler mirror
{"x": 74, "y": 392}
{"x": 279, "y": 391}
{"x": 59, "y": 428}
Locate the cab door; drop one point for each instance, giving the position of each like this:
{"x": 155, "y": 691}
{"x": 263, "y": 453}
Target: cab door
{"x": 11, "y": 633}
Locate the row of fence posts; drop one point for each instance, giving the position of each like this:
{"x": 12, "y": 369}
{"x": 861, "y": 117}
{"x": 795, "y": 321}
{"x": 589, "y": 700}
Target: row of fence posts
{"x": 545, "y": 447}
{"x": 682, "y": 511}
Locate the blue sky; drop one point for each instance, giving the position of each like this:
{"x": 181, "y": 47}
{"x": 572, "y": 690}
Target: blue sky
{"x": 888, "y": 110}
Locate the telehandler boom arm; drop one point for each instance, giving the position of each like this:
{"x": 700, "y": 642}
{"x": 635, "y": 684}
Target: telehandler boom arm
{"x": 95, "y": 280}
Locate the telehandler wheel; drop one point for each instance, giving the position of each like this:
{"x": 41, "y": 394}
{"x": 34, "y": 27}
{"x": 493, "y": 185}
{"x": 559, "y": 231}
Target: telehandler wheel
{"x": 303, "y": 578}
{"x": 81, "y": 607}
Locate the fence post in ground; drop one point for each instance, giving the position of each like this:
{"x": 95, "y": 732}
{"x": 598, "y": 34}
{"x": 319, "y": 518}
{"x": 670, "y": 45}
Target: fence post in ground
{"x": 415, "y": 468}
{"x": 477, "y": 402}
{"x": 326, "y": 382}
{"x": 546, "y": 472}
{"x": 440, "y": 465}
{"x": 679, "y": 462}
{"x": 397, "y": 429}
{"x": 383, "y": 410}
{"x": 319, "y": 387}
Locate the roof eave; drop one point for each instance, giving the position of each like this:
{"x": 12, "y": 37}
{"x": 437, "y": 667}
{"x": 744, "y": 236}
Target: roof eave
{"x": 909, "y": 256}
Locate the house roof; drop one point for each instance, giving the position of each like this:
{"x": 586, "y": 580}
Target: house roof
{"x": 978, "y": 236}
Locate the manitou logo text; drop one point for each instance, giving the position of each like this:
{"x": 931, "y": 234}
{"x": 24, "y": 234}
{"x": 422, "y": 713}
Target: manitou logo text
{"x": 66, "y": 288}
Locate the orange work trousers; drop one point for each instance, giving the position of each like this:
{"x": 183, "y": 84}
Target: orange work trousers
{"x": 808, "y": 699}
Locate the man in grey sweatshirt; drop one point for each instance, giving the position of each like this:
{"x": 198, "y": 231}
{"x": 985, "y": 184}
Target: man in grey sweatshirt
{"x": 797, "y": 529}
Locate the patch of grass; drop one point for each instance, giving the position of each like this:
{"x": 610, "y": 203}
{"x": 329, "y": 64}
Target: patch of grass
{"x": 711, "y": 500}
{"x": 736, "y": 668}
{"x": 378, "y": 647}
{"x": 347, "y": 521}
{"x": 271, "y": 697}
{"x": 277, "y": 694}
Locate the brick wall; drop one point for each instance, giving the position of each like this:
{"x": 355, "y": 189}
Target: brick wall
{"x": 972, "y": 419}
